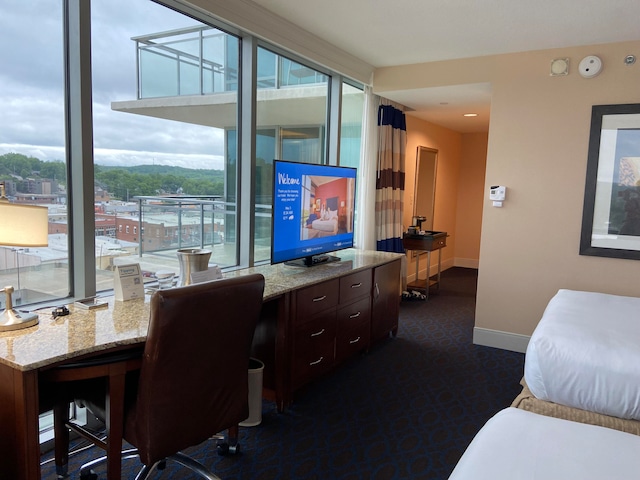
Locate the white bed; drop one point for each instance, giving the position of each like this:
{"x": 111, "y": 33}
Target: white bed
{"x": 516, "y": 444}
{"x": 330, "y": 225}
{"x": 585, "y": 353}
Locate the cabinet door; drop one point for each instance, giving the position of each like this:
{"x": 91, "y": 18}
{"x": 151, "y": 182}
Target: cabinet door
{"x": 385, "y": 300}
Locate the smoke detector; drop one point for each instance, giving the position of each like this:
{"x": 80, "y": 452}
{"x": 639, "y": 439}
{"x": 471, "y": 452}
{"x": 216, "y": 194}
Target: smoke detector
{"x": 590, "y": 66}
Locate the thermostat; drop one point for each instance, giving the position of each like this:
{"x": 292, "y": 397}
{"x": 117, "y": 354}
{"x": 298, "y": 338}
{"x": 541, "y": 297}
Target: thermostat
{"x": 497, "y": 194}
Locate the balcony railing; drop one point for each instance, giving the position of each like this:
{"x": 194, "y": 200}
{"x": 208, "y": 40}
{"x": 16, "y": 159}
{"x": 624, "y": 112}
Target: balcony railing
{"x": 170, "y": 223}
{"x": 202, "y": 60}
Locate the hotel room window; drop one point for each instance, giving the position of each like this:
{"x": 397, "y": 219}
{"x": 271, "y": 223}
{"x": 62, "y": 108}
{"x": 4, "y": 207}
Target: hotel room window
{"x": 32, "y": 145}
{"x": 164, "y": 94}
{"x": 292, "y": 118}
{"x": 351, "y": 125}
{"x": 165, "y": 110}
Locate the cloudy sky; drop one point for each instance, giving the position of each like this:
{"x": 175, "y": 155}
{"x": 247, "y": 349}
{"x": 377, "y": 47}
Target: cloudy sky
{"x": 31, "y": 87}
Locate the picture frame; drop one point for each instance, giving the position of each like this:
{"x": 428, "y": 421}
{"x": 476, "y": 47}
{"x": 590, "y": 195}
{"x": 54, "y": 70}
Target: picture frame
{"x": 611, "y": 209}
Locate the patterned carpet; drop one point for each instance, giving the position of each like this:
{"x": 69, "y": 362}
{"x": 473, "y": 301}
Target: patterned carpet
{"x": 407, "y": 409}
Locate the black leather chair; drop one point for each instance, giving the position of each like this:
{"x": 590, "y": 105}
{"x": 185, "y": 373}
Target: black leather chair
{"x": 196, "y": 356}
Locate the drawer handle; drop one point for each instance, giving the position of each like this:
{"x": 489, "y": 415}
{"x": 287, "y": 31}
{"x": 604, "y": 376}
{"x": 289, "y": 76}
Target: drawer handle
{"x": 356, "y": 285}
{"x": 318, "y": 333}
{"x": 354, "y": 341}
{"x": 319, "y": 299}
{"x": 316, "y": 362}
{"x": 354, "y": 315}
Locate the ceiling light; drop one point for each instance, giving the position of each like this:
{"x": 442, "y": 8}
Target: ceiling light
{"x": 470, "y": 115}
{"x": 559, "y": 67}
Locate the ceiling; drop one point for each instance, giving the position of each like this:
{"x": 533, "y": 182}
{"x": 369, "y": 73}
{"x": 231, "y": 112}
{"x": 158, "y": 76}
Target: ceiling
{"x": 387, "y": 33}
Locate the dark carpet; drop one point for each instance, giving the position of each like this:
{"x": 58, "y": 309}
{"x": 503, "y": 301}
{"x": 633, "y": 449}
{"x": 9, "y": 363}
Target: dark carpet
{"x": 407, "y": 409}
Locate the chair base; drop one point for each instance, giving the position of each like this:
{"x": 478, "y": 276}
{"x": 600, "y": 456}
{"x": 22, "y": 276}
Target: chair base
{"x": 86, "y": 472}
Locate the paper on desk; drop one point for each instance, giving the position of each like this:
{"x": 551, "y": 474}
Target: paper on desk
{"x": 211, "y": 273}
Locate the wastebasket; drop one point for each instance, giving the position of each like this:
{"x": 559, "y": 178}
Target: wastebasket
{"x": 256, "y": 370}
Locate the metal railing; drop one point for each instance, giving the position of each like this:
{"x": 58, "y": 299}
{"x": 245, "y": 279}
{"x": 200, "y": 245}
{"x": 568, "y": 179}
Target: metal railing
{"x": 174, "y": 222}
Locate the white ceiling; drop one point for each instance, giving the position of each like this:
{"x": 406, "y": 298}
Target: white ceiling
{"x": 398, "y": 32}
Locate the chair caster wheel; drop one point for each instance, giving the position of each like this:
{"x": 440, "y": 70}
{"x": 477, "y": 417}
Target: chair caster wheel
{"x": 90, "y": 475}
{"x": 225, "y": 449}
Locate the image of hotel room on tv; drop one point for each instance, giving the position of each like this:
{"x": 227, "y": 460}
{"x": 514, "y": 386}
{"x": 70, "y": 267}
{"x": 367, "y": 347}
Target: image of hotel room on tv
{"x": 327, "y": 206}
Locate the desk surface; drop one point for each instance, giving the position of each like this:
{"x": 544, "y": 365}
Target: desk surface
{"x": 126, "y": 323}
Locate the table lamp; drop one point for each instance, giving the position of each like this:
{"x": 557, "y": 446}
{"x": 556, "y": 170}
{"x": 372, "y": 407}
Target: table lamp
{"x": 22, "y": 226}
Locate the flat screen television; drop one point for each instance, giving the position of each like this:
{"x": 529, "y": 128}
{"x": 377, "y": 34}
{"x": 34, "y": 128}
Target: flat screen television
{"x": 313, "y": 210}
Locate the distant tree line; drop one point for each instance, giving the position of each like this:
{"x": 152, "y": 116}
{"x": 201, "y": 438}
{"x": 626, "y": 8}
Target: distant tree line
{"x": 121, "y": 182}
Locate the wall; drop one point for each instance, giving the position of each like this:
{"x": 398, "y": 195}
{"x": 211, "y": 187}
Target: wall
{"x": 471, "y": 193}
{"x": 459, "y": 191}
{"x": 421, "y": 133}
{"x": 537, "y": 147}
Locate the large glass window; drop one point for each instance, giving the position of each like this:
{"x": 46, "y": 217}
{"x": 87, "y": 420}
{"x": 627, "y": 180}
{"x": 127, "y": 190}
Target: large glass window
{"x": 32, "y": 144}
{"x": 351, "y": 125}
{"x": 164, "y": 92}
{"x": 292, "y": 118}
{"x": 164, "y": 136}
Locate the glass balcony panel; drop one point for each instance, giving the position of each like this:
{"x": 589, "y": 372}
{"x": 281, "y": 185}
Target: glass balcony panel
{"x": 189, "y": 79}
{"x": 159, "y": 73}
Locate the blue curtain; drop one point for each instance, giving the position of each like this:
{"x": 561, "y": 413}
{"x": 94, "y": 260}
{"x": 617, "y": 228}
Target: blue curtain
{"x": 392, "y": 136}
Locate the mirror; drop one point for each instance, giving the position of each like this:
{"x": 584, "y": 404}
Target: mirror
{"x": 425, "y": 186}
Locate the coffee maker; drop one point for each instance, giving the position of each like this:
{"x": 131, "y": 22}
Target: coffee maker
{"x": 417, "y": 222}
{"x": 416, "y": 225}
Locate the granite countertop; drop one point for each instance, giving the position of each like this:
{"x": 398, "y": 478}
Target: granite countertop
{"x": 126, "y": 323}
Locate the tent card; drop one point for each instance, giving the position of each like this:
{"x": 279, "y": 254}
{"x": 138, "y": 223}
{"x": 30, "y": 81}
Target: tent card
{"x": 211, "y": 273}
{"x": 128, "y": 282}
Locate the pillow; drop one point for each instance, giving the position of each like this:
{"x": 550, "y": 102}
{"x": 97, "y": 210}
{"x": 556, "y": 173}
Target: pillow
{"x": 311, "y": 218}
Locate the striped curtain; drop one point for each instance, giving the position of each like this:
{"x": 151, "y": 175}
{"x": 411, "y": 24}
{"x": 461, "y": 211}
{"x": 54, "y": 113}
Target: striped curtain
{"x": 392, "y": 135}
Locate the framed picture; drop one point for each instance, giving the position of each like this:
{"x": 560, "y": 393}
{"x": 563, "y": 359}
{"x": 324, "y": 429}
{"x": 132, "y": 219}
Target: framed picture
{"x": 611, "y": 212}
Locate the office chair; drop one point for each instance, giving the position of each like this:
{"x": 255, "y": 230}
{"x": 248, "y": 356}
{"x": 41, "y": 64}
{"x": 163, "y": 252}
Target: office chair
{"x": 196, "y": 354}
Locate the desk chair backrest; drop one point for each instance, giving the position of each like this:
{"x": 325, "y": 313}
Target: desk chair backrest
{"x": 194, "y": 377}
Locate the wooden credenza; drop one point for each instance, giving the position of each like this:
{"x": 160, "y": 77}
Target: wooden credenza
{"x": 312, "y": 320}
{"x": 338, "y": 311}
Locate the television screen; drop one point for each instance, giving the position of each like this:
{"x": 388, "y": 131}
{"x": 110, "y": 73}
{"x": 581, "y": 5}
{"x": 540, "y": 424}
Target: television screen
{"x": 313, "y": 207}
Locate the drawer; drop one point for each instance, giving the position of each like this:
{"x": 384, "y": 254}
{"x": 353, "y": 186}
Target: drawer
{"x": 352, "y": 341}
{"x": 314, "y": 347}
{"x": 353, "y": 328}
{"x": 355, "y": 285}
{"x": 354, "y": 314}
{"x": 314, "y": 299}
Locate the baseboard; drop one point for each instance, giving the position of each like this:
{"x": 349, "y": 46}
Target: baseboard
{"x": 433, "y": 270}
{"x": 466, "y": 262}
{"x": 497, "y": 339}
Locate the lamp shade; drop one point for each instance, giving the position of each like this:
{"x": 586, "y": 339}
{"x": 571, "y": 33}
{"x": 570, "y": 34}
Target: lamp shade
{"x": 24, "y": 225}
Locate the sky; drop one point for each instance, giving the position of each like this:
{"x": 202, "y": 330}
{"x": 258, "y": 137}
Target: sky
{"x": 31, "y": 87}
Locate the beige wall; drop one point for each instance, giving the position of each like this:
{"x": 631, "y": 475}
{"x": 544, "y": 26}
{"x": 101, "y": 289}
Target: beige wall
{"x": 448, "y": 143}
{"x": 459, "y": 191}
{"x": 471, "y": 193}
{"x": 537, "y": 147}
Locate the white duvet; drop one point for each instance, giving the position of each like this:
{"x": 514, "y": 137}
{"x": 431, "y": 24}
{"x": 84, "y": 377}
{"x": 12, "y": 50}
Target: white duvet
{"x": 585, "y": 353}
{"x": 517, "y": 445}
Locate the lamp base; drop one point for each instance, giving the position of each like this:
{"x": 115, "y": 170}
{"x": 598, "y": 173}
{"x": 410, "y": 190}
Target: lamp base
{"x": 12, "y": 320}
